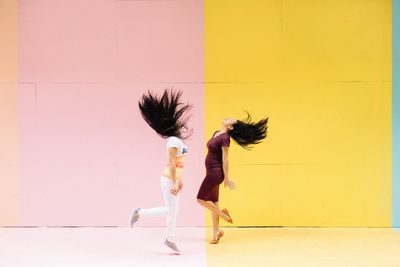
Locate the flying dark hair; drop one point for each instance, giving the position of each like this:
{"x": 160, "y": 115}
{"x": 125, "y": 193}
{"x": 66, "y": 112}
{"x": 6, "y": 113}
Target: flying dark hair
{"x": 165, "y": 114}
{"x": 247, "y": 133}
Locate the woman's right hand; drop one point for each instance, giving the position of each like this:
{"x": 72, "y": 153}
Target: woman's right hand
{"x": 230, "y": 184}
{"x": 174, "y": 188}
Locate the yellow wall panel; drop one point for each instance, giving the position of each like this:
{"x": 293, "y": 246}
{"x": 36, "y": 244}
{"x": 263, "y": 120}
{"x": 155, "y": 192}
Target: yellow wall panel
{"x": 286, "y": 40}
{"x": 325, "y": 162}
{"x": 321, "y": 70}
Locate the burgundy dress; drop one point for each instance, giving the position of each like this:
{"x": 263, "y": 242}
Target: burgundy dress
{"x": 209, "y": 189}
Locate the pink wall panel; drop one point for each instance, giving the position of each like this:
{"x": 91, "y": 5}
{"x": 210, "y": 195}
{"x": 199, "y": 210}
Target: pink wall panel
{"x": 9, "y": 182}
{"x": 160, "y": 41}
{"x": 67, "y": 41}
{"x": 87, "y": 157}
{"x": 9, "y": 174}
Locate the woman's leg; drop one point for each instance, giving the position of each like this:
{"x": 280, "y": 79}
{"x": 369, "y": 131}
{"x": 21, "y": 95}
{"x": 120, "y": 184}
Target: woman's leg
{"x": 209, "y": 189}
{"x": 172, "y": 203}
{"x": 215, "y": 220}
{"x": 151, "y": 212}
{"x": 213, "y": 208}
{"x": 159, "y": 211}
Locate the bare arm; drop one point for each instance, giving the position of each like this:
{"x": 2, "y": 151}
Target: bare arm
{"x": 172, "y": 152}
{"x": 225, "y": 165}
{"x": 225, "y": 162}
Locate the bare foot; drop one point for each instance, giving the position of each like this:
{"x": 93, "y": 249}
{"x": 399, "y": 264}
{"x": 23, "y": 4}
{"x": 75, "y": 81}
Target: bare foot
{"x": 217, "y": 238}
{"x": 228, "y": 217}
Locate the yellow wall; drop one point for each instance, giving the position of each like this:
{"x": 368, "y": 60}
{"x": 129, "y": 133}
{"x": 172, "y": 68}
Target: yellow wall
{"x": 321, "y": 71}
{"x": 8, "y": 113}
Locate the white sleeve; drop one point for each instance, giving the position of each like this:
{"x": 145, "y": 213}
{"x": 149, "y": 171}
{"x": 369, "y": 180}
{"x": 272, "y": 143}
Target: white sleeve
{"x": 173, "y": 142}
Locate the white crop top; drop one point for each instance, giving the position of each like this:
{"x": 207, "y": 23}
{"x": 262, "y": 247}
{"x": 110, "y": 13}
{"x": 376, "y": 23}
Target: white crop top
{"x": 174, "y": 141}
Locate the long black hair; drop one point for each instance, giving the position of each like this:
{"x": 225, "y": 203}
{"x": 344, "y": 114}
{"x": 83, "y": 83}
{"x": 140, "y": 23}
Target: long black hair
{"x": 247, "y": 133}
{"x": 165, "y": 114}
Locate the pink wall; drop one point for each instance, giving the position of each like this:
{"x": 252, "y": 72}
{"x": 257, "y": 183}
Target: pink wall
{"x": 9, "y": 182}
{"x": 86, "y": 155}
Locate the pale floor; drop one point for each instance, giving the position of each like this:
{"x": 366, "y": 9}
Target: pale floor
{"x": 356, "y": 247}
{"x": 247, "y": 247}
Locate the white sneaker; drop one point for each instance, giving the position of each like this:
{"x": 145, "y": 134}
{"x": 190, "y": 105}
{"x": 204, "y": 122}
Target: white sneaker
{"x": 135, "y": 216}
{"x": 172, "y": 246}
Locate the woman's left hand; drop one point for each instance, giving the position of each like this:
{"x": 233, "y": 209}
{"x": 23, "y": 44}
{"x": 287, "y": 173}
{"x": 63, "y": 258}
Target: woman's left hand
{"x": 230, "y": 184}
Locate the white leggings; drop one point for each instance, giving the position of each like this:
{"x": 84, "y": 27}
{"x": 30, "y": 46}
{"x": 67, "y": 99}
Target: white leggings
{"x": 170, "y": 210}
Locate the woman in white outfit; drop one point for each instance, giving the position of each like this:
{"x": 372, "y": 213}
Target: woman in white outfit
{"x": 166, "y": 116}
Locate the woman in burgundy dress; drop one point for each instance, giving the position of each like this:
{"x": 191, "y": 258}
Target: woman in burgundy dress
{"x": 245, "y": 133}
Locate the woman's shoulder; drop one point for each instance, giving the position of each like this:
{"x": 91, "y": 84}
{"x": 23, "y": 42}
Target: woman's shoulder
{"x": 225, "y": 139}
{"x": 219, "y": 134}
{"x": 225, "y": 136}
{"x": 174, "y": 140}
